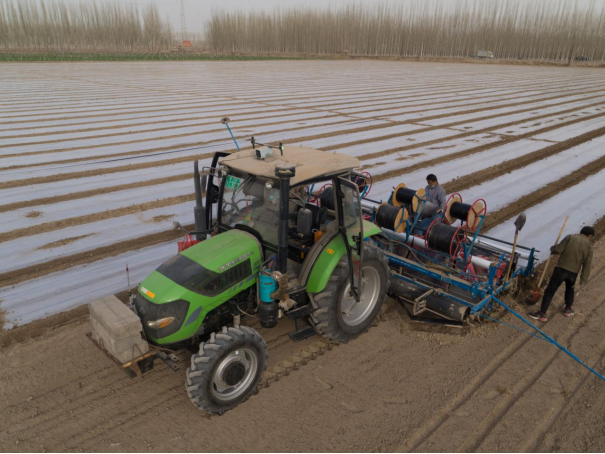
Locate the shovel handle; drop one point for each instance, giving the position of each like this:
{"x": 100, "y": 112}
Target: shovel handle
{"x": 548, "y": 261}
{"x": 543, "y": 273}
{"x": 561, "y": 231}
{"x": 512, "y": 256}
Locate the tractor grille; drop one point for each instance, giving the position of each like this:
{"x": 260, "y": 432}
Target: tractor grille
{"x": 149, "y": 312}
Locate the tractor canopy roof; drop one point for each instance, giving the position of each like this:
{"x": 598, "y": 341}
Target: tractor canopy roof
{"x": 309, "y": 163}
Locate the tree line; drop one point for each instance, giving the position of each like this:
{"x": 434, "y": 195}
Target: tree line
{"x": 60, "y": 26}
{"x": 511, "y": 29}
{"x": 559, "y": 30}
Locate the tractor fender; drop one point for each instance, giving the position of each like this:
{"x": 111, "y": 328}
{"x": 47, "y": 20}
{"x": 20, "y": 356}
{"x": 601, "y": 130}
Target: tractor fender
{"x": 330, "y": 256}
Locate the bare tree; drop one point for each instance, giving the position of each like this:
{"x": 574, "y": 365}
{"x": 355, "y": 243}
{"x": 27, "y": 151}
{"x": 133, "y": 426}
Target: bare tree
{"x": 512, "y": 29}
{"x": 54, "y": 25}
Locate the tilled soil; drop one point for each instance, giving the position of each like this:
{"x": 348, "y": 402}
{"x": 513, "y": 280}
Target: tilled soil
{"x": 108, "y": 214}
{"x": 399, "y": 387}
{"x": 81, "y": 258}
{"x": 494, "y": 218}
{"x": 318, "y": 136}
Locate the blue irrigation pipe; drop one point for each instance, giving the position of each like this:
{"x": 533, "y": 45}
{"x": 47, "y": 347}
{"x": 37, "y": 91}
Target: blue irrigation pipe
{"x": 549, "y": 339}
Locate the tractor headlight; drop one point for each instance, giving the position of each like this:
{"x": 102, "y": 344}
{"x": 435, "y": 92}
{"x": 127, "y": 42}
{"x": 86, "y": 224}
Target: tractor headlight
{"x": 161, "y": 323}
{"x": 161, "y": 320}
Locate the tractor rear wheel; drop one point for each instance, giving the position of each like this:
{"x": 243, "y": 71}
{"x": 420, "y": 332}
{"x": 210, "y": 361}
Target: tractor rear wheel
{"x": 336, "y": 315}
{"x": 227, "y": 369}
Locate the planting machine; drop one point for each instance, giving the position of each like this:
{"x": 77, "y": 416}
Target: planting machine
{"x": 291, "y": 232}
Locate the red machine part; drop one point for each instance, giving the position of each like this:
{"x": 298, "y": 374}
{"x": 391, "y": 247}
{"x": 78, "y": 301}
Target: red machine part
{"x": 456, "y": 246}
{"x": 471, "y": 272}
{"x": 368, "y": 177}
{"x": 478, "y": 208}
{"x": 501, "y": 270}
{"x": 187, "y": 242}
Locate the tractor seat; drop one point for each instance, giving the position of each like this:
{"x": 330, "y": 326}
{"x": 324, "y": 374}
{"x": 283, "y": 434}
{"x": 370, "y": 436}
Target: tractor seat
{"x": 308, "y": 220}
{"x": 319, "y": 215}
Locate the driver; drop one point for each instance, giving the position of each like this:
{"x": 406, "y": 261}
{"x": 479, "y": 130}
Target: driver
{"x": 257, "y": 206}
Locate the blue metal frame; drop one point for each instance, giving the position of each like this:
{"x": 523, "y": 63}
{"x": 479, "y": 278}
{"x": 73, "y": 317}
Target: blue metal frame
{"x": 410, "y": 227}
{"x": 428, "y": 287}
{"x": 545, "y": 337}
{"x": 470, "y": 248}
{"x": 364, "y": 192}
{"x": 487, "y": 291}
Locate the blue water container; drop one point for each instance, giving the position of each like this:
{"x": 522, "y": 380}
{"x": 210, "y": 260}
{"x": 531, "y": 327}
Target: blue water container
{"x": 267, "y": 285}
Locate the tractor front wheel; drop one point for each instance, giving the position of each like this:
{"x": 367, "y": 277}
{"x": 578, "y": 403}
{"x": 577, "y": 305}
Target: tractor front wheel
{"x": 227, "y": 369}
{"x": 336, "y": 315}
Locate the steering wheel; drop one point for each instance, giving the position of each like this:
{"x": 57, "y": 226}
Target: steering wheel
{"x": 229, "y": 212}
{"x": 249, "y": 205}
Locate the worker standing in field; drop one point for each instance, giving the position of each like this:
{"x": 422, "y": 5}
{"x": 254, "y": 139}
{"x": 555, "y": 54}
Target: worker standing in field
{"x": 435, "y": 197}
{"x": 576, "y": 254}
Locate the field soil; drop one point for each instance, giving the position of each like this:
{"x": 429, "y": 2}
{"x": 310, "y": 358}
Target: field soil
{"x": 95, "y": 163}
{"x": 399, "y": 387}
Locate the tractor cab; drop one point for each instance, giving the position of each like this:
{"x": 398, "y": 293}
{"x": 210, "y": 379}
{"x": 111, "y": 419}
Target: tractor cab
{"x": 293, "y": 201}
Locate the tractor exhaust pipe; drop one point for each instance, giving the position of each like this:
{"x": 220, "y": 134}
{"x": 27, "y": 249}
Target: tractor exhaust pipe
{"x": 199, "y": 212}
{"x": 284, "y": 174}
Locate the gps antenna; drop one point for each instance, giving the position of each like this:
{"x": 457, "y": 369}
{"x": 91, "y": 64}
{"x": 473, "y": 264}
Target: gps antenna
{"x": 225, "y": 121}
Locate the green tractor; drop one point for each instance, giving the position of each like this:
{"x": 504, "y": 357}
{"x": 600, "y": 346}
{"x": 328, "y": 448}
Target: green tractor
{"x": 269, "y": 246}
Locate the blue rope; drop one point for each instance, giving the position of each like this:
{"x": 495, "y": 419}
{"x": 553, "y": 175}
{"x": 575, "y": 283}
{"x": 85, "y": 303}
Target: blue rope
{"x": 514, "y": 327}
{"x": 549, "y": 339}
{"x": 310, "y": 192}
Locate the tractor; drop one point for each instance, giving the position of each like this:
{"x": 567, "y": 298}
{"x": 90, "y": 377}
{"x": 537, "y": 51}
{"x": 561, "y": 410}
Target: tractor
{"x": 288, "y": 231}
{"x": 264, "y": 246}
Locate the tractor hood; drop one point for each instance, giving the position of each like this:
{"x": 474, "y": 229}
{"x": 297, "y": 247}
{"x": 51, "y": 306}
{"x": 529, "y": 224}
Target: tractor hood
{"x": 218, "y": 252}
{"x": 197, "y": 280}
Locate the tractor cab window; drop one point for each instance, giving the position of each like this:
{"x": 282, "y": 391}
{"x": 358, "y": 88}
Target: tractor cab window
{"x": 351, "y": 209}
{"x": 253, "y": 202}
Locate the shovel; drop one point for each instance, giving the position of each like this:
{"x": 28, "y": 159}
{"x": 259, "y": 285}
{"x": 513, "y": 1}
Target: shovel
{"x": 519, "y": 223}
{"x": 534, "y": 295}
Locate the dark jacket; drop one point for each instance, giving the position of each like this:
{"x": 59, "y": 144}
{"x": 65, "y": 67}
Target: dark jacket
{"x": 576, "y": 254}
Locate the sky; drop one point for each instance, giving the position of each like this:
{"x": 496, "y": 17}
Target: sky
{"x": 197, "y": 11}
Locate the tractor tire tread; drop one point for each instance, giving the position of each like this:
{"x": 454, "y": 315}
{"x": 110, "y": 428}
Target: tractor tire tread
{"x": 323, "y": 317}
{"x": 209, "y": 346}
{"x": 202, "y": 364}
{"x": 237, "y": 331}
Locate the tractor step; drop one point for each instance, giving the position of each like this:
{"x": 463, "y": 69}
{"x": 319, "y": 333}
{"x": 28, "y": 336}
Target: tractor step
{"x": 296, "y": 315}
{"x": 170, "y": 359}
{"x": 299, "y": 313}
{"x": 302, "y": 334}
